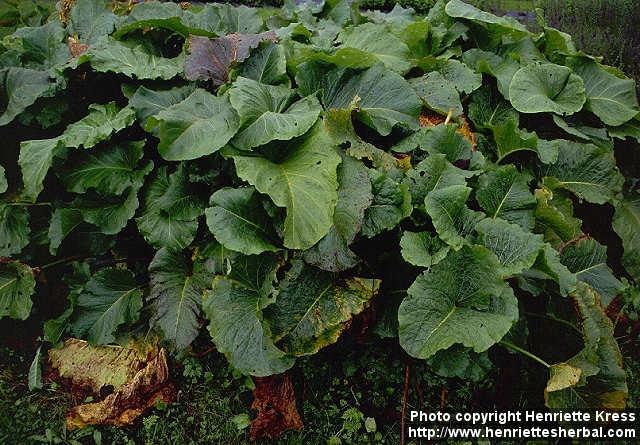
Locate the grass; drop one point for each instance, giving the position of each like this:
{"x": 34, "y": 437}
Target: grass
{"x": 339, "y": 390}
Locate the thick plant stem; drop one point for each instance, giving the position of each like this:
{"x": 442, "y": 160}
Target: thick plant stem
{"x": 524, "y": 352}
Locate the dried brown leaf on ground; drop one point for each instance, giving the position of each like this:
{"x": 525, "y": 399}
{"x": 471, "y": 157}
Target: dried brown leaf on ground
{"x": 275, "y": 401}
{"x": 211, "y": 59}
{"x": 137, "y": 375}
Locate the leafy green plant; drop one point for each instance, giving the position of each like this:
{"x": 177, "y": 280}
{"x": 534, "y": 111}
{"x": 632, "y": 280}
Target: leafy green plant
{"x": 267, "y": 176}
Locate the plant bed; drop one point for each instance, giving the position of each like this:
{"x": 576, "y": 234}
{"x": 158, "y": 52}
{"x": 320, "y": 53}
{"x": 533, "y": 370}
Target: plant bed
{"x": 277, "y": 182}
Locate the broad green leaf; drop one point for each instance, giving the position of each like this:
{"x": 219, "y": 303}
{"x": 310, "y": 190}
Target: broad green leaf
{"x": 239, "y": 222}
{"x": 510, "y": 139}
{"x": 22, "y": 87}
{"x": 422, "y": 249}
{"x": 587, "y": 258}
{"x": 332, "y": 252}
{"x": 148, "y": 103}
{"x": 445, "y": 138}
{"x": 110, "y": 213}
{"x": 463, "y": 78}
{"x": 515, "y": 248}
{"x": 198, "y": 126}
{"x": 502, "y": 68}
{"x": 39, "y": 47}
{"x": 575, "y": 127}
{"x": 391, "y": 204}
{"x": 267, "y": 65}
{"x": 504, "y": 193}
{"x": 17, "y": 284}
{"x": 91, "y": 19}
{"x": 265, "y": 115}
{"x": 75, "y": 280}
{"x": 433, "y": 173}
{"x": 177, "y": 288}
{"x": 548, "y": 262}
{"x": 236, "y": 323}
{"x": 36, "y": 156}
{"x": 313, "y": 309}
{"x": 629, "y": 130}
{"x": 97, "y": 126}
{"x": 585, "y": 170}
{"x": 554, "y": 216}
{"x": 460, "y": 362}
{"x": 63, "y": 222}
{"x": 603, "y": 381}
{"x": 14, "y": 229}
{"x": 304, "y": 182}
{"x": 170, "y": 212}
{"x": 378, "y": 41}
{"x": 438, "y": 93}
{"x": 110, "y": 170}
{"x": 610, "y": 98}
{"x": 460, "y": 9}
{"x": 226, "y": 19}
{"x": 163, "y": 15}
{"x": 626, "y": 223}
{"x": 488, "y": 110}
{"x": 111, "y": 55}
{"x": 110, "y": 299}
{"x": 547, "y": 88}
{"x": 450, "y": 216}
{"x": 462, "y": 299}
{"x": 382, "y": 98}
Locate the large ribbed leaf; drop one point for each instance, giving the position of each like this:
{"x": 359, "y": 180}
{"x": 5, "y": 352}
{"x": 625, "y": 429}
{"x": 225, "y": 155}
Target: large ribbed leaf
{"x": 110, "y": 213}
{"x": 22, "y": 87}
{"x": 90, "y": 19}
{"x": 177, "y": 288}
{"x": 198, "y": 126}
{"x": 266, "y": 115}
{"x": 461, "y": 300}
{"x": 109, "y": 170}
{"x": 172, "y": 206}
{"x": 626, "y": 223}
{"x": 381, "y": 97}
{"x": 267, "y": 64}
{"x": 434, "y": 172}
{"x": 422, "y": 248}
{"x": 239, "y": 222}
{"x": 17, "y": 284}
{"x": 585, "y": 170}
{"x": 450, "y": 215}
{"x": 391, "y": 203}
{"x": 111, "y": 55}
{"x": 460, "y": 9}
{"x": 587, "y": 258}
{"x": 602, "y": 380}
{"x": 504, "y": 193}
{"x": 515, "y": 248}
{"x": 488, "y": 110}
{"x": 110, "y": 299}
{"x": 547, "y": 88}
{"x": 148, "y": 103}
{"x": 36, "y": 156}
{"x": 312, "y": 308}
{"x": 234, "y": 308}
{"x": 438, "y": 93}
{"x": 304, "y": 182}
{"x": 609, "y": 97}
{"x": 376, "y": 40}
{"x": 332, "y": 252}
{"x": 14, "y": 229}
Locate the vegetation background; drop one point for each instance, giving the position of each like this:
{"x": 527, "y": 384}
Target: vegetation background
{"x": 351, "y": 392}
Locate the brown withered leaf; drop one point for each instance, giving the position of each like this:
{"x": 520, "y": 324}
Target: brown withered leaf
{"x": 137, "y": 374}
{"x": 275, "y": 401}
{"x": 430, "y": 118}
{"x": 211, "y": 59}
{"x": 76, "y": 47}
